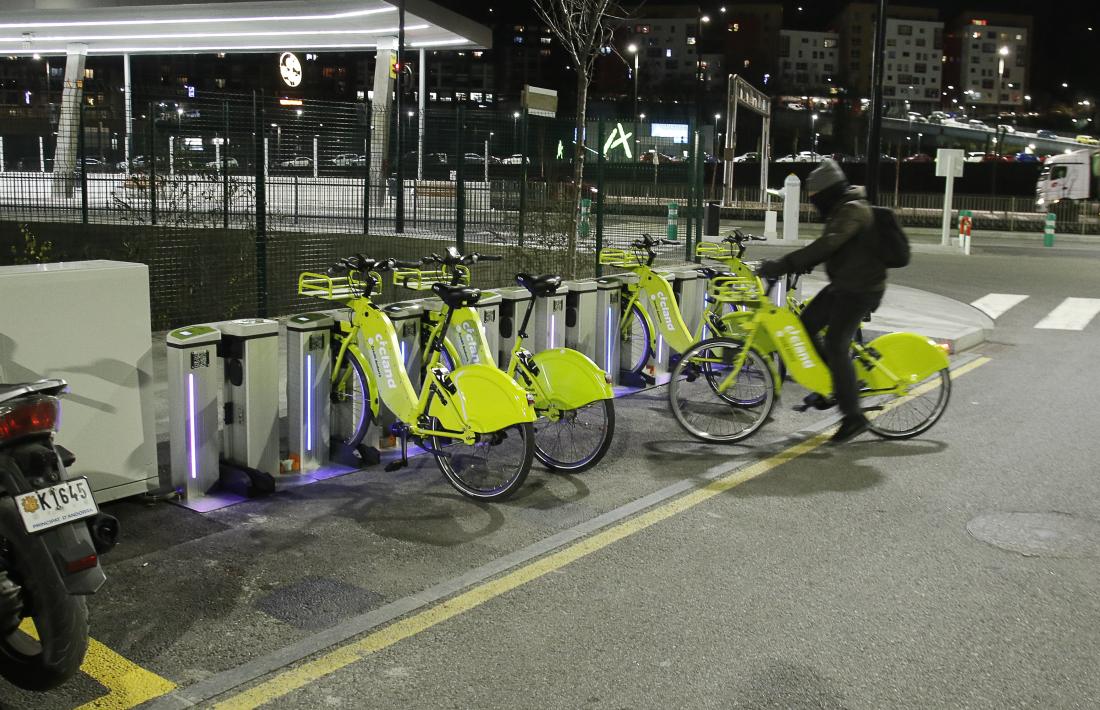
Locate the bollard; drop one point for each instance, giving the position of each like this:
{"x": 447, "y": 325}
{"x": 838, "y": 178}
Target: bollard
{"x": 673, "y": 217}
{"x": 583, "y": 228}
{"x": 770, "y": 223}
{"x": 580, "y": 317}
{"x": 792, "y": 189}
{"x": 966, "y": 225}
{"x": 249, "y": 350}
{"x": 1048, "y": 230}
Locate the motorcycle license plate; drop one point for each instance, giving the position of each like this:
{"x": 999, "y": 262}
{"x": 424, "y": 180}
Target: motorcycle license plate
{"x": 47, "y": 508}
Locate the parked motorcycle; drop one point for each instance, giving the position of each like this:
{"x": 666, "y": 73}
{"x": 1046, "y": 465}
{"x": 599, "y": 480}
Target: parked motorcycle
{"x": 51, "y": 536}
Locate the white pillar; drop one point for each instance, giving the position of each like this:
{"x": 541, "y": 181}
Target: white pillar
{"x": 420, "y": 120}
{"x": 948, "y": 198}
{"x": 314, "y": 156}
{"x": 41, "y": 154}
{"x": 381, "y": 120}
{"x": 218, "y": 156}
{"x": 792, "y": 193}
{"x": 129, "y": 109}
{"x": 68, "y": 125}
{"x": 267, "y": 162}
{"x": 486, "y": 160}
{"x": 171, "y": 155}
{"x": 1, "y": 154}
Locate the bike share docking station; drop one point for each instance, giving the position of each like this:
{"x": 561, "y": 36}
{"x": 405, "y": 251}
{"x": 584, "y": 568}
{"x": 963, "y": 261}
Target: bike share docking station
{"x": 580, "y": 328}
{"x": 513, "y": 306}
{"x": 607, "y": 337}
{"x": 308, "y": 370}
{"x": 240, "y": 360}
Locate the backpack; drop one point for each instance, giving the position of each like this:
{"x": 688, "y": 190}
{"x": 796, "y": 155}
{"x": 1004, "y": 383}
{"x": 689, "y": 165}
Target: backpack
{"x": 888, "y": 240}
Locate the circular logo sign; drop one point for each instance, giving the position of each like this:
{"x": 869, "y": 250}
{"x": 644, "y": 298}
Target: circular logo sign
{"x": 290, "y": 69}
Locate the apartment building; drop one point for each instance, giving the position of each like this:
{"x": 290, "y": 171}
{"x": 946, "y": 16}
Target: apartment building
{"x": 807, "y": 62}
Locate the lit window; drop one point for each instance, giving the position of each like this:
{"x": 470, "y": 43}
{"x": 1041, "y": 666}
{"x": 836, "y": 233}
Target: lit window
{"x": 89, "y": 73}
{"x": 735, "y": 27}
{"x": 545, "y": 40}
{"x": 475, "y": 96}
{"x": 668, "y": 53}
{"x": 518, "y": 39}
{"x": 478, "y": 54}
{"x": 1019, "y": 38}
{"x": 432, "y": 96}
{"x": 691, "y": 40}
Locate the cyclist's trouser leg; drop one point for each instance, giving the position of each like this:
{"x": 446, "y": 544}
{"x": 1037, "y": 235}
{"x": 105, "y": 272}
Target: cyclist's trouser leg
{"x": 846, "y": 312}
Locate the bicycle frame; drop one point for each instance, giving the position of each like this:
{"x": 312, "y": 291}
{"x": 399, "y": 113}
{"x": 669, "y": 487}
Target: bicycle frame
{"x": 473, "y": 399}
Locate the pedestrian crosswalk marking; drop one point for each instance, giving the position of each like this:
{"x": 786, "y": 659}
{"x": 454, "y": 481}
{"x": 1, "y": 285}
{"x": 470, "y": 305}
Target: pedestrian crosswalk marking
{"x": 1071, "y": 314}
{"x": 996, "y": 305}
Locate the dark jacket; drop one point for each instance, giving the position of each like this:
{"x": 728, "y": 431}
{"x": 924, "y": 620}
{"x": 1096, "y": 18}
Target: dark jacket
{"x": 844, "y": 246}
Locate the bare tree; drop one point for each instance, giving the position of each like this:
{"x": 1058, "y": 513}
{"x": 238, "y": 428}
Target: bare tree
{"x": 583, "y": 27}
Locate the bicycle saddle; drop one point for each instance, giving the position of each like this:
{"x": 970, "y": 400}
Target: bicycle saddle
{"x": 545, "y": 285}
{"x": 710, "y": 273}
{"x": 456, "y": 296}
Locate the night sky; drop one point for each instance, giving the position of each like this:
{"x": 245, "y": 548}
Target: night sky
{"x": 1067, "y": 52}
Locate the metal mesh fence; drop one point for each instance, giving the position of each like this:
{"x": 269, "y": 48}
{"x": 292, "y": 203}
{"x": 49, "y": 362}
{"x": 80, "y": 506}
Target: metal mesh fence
{"x": 229, "y": 198}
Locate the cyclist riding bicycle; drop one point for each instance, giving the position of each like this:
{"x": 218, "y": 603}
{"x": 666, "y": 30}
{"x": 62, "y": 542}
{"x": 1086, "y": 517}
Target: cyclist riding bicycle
{"x": 857, "y": 281}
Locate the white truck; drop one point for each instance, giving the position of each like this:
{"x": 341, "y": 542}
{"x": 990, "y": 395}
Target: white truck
{"x": 1069, "y": 177}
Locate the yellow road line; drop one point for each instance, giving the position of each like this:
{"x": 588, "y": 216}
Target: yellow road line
{"x": 288, "y": 681}
{"x": 127, "y": 683}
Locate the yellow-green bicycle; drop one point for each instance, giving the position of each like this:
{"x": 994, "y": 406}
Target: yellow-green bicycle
{"x": 475, "y": 420}
{"x": 723, "y": 389}
{"x": 571, "y": 395}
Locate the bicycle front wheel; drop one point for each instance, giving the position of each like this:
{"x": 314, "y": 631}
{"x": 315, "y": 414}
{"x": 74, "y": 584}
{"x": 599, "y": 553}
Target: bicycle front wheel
{"x": 709, "y": 407}
{"x": 493, "y": 467}
{"x": 350, "y": 395}
{"x": 636, "y": 344}
{"x": 893, "y": 417}
{"x": 578, "y": 440}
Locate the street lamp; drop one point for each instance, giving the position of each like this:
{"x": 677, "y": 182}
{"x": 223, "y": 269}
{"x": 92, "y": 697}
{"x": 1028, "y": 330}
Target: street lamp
{"x": 1003, "y": 52}
{"x": 633, "y": 49}
{"x": 515, "y": 124}
{"x": 813, "y": 129}
{"x": 717, "y": 117}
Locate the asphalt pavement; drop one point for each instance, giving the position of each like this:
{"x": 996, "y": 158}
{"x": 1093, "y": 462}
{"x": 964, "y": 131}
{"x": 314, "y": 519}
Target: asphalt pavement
{"x": 958, "y": 569}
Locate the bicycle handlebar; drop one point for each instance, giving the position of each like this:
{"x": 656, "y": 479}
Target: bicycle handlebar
{"x": 453, "y": 258}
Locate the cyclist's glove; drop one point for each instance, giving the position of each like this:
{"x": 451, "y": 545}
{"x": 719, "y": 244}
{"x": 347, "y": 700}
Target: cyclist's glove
{"x": 773, "y": 268}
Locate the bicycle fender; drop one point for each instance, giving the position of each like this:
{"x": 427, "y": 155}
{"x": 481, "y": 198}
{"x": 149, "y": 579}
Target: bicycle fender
{"x": 569, "y": 380}
{"x": 487, "y": 400}
{"x": 762, "y": 342}
{"x": 910, "y": 357}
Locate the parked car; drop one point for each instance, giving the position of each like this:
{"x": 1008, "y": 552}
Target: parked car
{"x": 916, "y": 117}
{"x": 217, "y": 164}
{"x": 345, "y": 160}
{"x": 750, "y": 157}
{"x": 786, "y": 159}
{"x": 514, "y": 159}
{"x": 300, "y": 161}
{"x": 1007, "y": 158}
{"x": 1044, "y": 133}
{"x": 807, "y": 156}
{"x": 974, "y": 156}
{"x": 1025, "y": 157}
{"x": 1087, "y": 140}
{"x": 919, "y": 158}
{"x": 976, "y": 124}
{"x": 1005, "y": 128}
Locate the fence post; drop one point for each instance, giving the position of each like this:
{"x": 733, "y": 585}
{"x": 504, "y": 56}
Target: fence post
{"x": 258, "y": 130}
{"x": 601, "y": 161}
{"x": 225, "y": 165}
{"x": 460, "y": 187}
{"x": 523, "y": 179}
{"x": 366, "y": 167}
{"x": 701, "y": 206}
{"x": 151, "y": 159}
{"x": 80, "y": 147}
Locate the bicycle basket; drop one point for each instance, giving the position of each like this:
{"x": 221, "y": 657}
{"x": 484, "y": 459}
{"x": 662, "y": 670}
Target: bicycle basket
{"x": 714, "y": 250}
{"x": 735, "y": 289}
{"x": 619, "y": 257}
{"x": 424, "y": 279}
{"x": 335, "y": 288}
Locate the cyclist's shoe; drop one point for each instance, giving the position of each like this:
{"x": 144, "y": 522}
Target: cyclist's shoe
{"x": 816, "y": 401}
{"x": 850, "y": 427}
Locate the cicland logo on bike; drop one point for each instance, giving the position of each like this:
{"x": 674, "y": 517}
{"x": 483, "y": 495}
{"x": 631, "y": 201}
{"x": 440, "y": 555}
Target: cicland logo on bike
{"x": 382, "y": 362}
{"x": 661, "y": 302}
{"x": 467, "y": 337}
{"x": 801, "y": 351}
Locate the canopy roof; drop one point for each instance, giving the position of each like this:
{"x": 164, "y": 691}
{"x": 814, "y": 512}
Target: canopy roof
{"x": 163, "y": 27}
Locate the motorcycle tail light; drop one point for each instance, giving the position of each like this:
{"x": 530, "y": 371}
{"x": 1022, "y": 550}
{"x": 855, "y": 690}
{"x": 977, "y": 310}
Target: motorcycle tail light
{"x": 74, "y": 566}
{"x": 28, "y": 416}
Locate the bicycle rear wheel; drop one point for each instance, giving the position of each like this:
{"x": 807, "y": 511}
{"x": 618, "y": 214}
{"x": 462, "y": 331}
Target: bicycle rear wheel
{"x": 893, "y": 417}
{"x": 350, "y": 397}
{"x": 708, "y": 412}
{"x": 493, "y": 467}
{"x": 578, "y": 440}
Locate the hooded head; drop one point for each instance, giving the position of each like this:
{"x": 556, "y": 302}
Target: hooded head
{"x": 825, "y": 185}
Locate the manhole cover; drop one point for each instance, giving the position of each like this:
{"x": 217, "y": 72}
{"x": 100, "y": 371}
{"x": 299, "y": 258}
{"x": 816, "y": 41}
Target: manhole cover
{"x": 1038, "y": 534}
